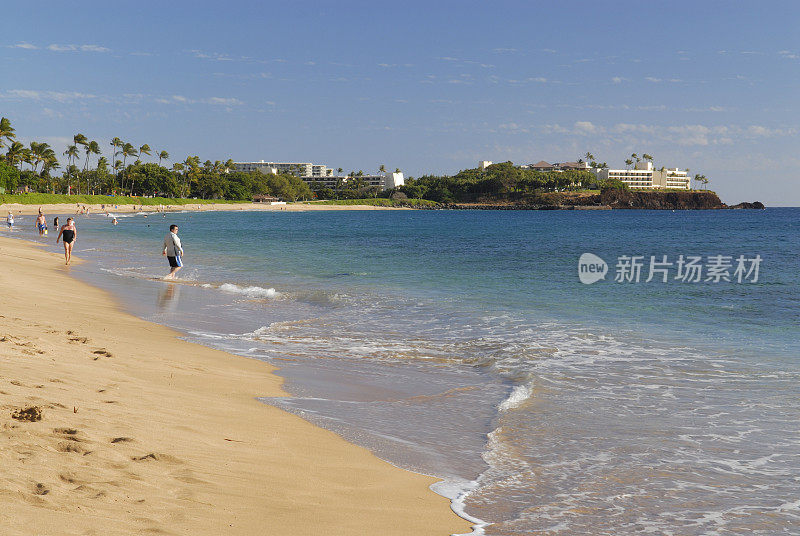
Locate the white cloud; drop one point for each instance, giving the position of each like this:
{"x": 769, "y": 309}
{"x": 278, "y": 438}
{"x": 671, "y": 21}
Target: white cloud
{"x": 680, "y": 135}
{"x": 222, "y": 100}
{"x": 57, "y": 96}
{"x": 618, "y": 79}
{"x": 586, "y": 127}
{"x": 77, "y": 48}
{"x": 26, "y": 46}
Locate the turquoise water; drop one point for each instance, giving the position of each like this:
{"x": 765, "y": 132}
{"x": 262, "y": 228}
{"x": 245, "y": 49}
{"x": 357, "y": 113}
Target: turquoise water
{"x": 462, "y": 344}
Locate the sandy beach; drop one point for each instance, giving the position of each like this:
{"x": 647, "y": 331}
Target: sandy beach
{"x": 72, "y": 208}
{"x": 141, "y": 432}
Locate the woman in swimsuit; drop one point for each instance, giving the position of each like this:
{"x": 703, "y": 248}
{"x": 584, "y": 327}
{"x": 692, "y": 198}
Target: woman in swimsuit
{"x": 70, "y": 233}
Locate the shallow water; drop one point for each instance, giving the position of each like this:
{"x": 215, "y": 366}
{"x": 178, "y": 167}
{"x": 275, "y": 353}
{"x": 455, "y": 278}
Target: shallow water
{"x": 462, "y": 345}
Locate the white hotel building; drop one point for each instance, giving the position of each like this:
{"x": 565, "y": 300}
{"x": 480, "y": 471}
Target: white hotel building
{"x": 318, "y": 173}
{"x": 644, "y": 176}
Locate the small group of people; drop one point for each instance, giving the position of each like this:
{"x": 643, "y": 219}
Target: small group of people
{"x": 68, "y": 233}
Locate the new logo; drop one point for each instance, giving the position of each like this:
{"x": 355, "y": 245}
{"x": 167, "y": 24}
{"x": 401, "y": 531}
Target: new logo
{"x": 591, "y": 268}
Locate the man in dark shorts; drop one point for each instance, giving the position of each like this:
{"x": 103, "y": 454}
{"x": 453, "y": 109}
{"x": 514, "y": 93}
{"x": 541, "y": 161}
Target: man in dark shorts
{"x": 173, "y": 251}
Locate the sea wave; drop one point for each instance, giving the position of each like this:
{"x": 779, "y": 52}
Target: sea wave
{"x": 251, "y": 292}
{"x": 518, "y": 396}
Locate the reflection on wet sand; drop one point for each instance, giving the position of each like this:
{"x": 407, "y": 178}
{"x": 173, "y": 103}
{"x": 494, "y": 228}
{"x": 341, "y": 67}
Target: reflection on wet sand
{"x": 168, "y": 297}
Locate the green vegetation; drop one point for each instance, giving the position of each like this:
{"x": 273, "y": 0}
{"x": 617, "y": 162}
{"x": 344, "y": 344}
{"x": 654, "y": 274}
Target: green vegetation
{"x": 125, "y": 176}
{"x": 379, "y": 202}
{"x": 83, "y": 199}
{"x": 503, "y": 181}
{"x": 189, "y": 180}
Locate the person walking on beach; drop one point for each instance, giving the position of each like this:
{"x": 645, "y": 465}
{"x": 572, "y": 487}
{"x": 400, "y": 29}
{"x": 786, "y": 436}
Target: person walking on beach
{"x": 70, "y": 233}
{"x": 173, "y": 250}
{"x": 41, "y": 224}
{"x": 10, "y": 220}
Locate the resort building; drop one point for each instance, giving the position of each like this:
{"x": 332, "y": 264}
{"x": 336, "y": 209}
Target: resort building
{"x": 320, "y": 175}
{"x": 644, "y": 176}
{"x": 558, "y": 166}
{"x": 299, "y": 169}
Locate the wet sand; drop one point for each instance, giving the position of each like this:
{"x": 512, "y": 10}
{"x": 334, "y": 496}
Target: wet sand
{"x": 140, "y": 432}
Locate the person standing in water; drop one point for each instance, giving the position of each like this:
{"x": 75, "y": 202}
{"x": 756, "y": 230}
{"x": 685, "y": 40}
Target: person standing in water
{"x": 41, "y": 224}
{"x": 55, "y": 222}
{"x": 70, "y": 233}
{"x": 173, "y": 250}
{"x": 10, "y": 220}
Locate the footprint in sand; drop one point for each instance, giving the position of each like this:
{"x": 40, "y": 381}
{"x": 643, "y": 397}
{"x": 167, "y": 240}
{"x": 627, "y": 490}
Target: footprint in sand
{"x": 102, "y": 352}
{"x": 29, "y": 414}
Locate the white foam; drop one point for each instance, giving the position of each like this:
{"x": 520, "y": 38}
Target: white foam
{"x": 252, "y": 292}
{"x": 518, "y": 395}
{"x": 457, "y": 491}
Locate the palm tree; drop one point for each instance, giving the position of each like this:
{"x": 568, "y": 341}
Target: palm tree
{"x": 589, "y": 156}
{"x": 634, "y": 156}
{"x": 628, "y": 163}
{"x": 163, "y": 155}
{"x": 91, "y": 148}
{"x": 127, "y": 150}
{"x": 27, "y": 157}
{"x": 80, "y": 139}
{"x": 339, "y": 171}
{"x": 192, "y": 164}
{"x": 71, "y": 153}
{"x": 144, "y": 149}
{"x": 50, "y": 162}
{"x": 14, "y": 153}
{"x": 229, "y": 164}
{"x": 116, "y": 143}
{"x": 40, "y": 153}
{"x": 6, "y": 131}
{"x": 48, "y": 154}
{"x": 382, "y": 169}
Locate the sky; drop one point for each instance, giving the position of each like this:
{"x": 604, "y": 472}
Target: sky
{"x": 427, "y": 87}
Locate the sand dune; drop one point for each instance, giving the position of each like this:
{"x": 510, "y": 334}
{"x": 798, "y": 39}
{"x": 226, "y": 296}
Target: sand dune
{"x": 141, "y": 433}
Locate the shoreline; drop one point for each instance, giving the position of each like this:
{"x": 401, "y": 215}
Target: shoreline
{"x": 160, "y": 434}
{"x": 68, "y": 208}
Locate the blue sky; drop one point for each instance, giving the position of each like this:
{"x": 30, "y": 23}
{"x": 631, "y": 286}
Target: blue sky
{"x": 423, "y": 86}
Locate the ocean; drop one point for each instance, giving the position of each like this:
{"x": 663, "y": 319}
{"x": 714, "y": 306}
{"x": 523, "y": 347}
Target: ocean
{"x": 463, "y": 345}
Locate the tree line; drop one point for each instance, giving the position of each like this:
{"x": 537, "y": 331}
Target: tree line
{"x": 503, "y": 180}
{"x": 88, "y": 171}
{"x": 127, "y": 174}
